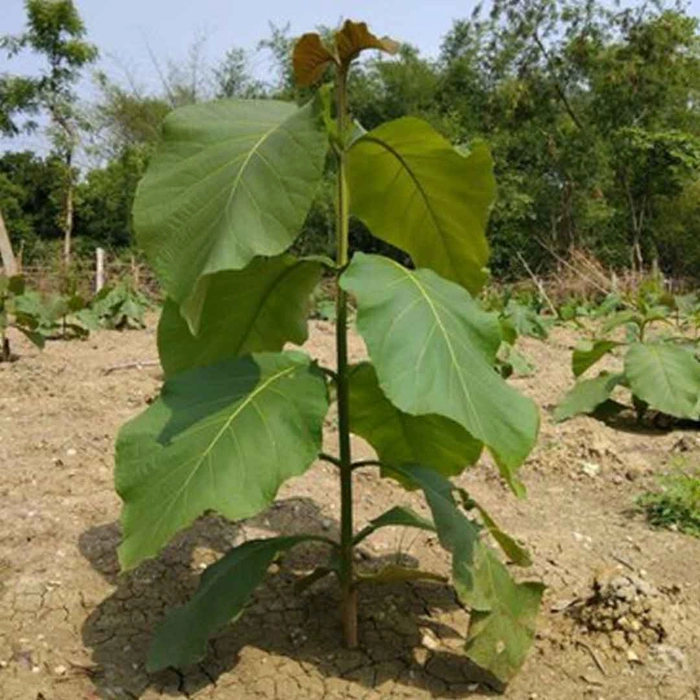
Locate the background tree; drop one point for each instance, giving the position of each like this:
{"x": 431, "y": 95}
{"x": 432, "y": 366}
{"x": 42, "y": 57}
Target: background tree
{"x": 55, "y": 32}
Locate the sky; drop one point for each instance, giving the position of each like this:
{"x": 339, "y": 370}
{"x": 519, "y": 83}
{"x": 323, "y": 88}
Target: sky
{"x": 128, "y": 32}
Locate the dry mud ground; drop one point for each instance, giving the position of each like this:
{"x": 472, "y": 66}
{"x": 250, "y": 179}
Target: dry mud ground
{"x": 73, "y": 628}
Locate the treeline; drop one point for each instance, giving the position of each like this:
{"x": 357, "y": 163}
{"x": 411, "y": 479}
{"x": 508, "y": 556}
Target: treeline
{"x": 592, "y": 115}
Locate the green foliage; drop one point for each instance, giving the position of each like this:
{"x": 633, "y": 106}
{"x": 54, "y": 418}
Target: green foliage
{"x": 261, "y": 160}
{"x": 676, "y": 505}
{"x": 12, "y": 292}
{"x": 226, "y": 193}
{"x": 417, "y": 322}
{"x": 590, "y": 113}
{"x": 661, "y": 372}
{"x": 41, "y": 317}
{"x": 256, "y": 309}
{"x": 119, "y": 307}
{"x": 437, "y": 192}
{"x": 222, "y": 437}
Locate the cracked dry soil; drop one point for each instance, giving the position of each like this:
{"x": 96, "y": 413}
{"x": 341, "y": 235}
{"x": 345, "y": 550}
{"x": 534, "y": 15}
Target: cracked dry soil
{"x": 73, "y": 628}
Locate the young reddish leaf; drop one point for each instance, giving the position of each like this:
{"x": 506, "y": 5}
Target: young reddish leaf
{"x": 355, "y": 37}
{"x": 310, "y": 59}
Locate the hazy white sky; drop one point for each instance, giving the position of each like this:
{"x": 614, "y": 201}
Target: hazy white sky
{"x": 126, "y": 30}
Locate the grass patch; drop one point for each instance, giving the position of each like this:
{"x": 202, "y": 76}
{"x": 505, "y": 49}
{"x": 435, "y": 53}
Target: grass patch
{"x": 676, "y": 504}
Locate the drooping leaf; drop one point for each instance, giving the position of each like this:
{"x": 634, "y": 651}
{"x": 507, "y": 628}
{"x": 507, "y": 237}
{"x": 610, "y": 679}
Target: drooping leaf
{"x": 257, "y": 309}
{"x": 503, "y": 612}
{"x": 415, "y": 191}
{"x": 398, "y": 516}
{"x": 394, "y": 573}
{"x": 457, "y": 533}
{"x": 230, "y": 181}
{"x": 400, "y": 438}
{"x": 355, "y": 37}
{"x": 37, "y": 339}
{"x": 310, "y": 59}
{"x": 434, "y": 349}
{"x": 666, "y": 377}
{"x": 224, "y": 590}
{"x": 220, "y": 438}
{"x": 586, "y": 355}
{"x": 515, "y": 552}
{"x": 587, "y": 394}
{"x": 500, "y": 636}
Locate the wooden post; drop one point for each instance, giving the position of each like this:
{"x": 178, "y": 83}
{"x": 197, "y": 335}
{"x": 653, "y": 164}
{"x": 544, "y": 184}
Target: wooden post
{"x": 100, "y": 272}
{"x": 7, "y": 257}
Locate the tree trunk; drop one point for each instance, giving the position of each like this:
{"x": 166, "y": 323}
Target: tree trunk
{"x": 68, "y": 221}
{"x": 6, "y": 254}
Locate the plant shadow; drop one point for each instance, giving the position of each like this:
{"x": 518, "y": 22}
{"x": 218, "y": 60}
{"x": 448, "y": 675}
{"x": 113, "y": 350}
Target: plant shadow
{"x": 286, "y": 644}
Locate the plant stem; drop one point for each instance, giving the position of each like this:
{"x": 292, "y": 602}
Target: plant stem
{"x": 349, "y": 607}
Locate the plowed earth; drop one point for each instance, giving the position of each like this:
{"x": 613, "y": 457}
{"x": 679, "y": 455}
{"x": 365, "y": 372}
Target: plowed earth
{"x": 73, "y": 628}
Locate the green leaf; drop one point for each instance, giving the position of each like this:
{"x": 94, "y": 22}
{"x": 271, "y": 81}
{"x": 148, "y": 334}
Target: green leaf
{"x": 256, "y": 309}
{"x": 526, "y": 321}
{"x": 501, "y": 627}
{"x": 620, "y": 319}
{"x": 400, "y": 438}
{"x": 517, "y": 554}
{"x": 511, "y": 361}
{"x": 434, "y": 349}
{"x": 219, "y": 438}
{"x": 231, "y": 180}
{"x": 586, "y": 355}
{"x": 415, "y": 191}
{"x": 398, "y": 516}
{"x": 457, "y": 534}
{"x": 393, "y": 573}
{"x": 34, "y": 337}
{"x": 587, "y": 395}
{"x": 500, "y": 637}
{"x": 224, "y": 590}
{"x": 666, "y": 377}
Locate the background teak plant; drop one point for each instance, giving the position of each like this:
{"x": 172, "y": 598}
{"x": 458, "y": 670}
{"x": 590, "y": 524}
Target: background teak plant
{"x": 224, "y": 197}
{"x": 661, "y": 372}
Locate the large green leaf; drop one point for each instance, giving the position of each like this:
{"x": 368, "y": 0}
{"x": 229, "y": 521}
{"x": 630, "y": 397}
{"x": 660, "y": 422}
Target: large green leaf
{"x": 434, "y": 349}
{"x": 231, "y": 180}
{"x": 457, "y": 533}
{"x": 223, "y": 592}
{"x": 415, "y": 191}
{"x": 400, "y": 438}
{"x": 503, "y": 612}
{"x": 587, "y": 394}
{"x": 219, "y": 438}
{"x": 666, "y": 377}
{"x": 586, "y": 355}
{"x": 256, "y": 309}
{"x": 500, "y": 637}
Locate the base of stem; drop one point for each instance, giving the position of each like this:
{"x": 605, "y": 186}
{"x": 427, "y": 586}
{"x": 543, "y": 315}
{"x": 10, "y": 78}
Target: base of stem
{"x": 349, "y": 610}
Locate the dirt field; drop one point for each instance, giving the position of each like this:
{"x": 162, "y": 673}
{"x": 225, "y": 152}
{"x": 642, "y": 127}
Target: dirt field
{"x": 72, "y": 628}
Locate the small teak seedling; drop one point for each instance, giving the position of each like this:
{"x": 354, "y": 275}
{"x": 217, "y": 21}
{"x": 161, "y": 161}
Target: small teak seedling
{"x": 661, "y": 373}
{"x": 224, "y": 198}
